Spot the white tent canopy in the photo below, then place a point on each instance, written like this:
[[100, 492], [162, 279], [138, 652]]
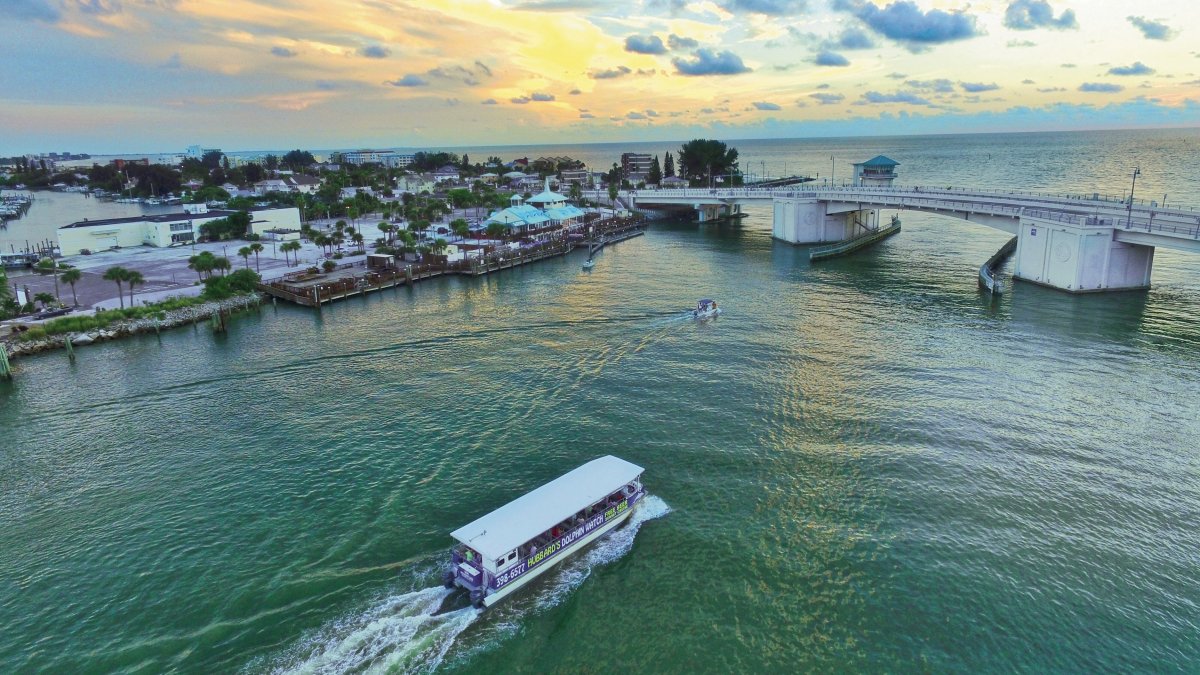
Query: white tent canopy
[[524, 518]]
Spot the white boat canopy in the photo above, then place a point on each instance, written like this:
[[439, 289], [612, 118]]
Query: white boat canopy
[[525, 517]]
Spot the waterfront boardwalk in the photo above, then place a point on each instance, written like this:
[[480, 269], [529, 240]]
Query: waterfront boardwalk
[[313, 289]]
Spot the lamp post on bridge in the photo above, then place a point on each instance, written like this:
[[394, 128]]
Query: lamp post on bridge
[[1137, 171]]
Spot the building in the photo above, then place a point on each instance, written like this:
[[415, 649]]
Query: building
[[197, 152], [635, 166], [388, 158], [878, 172], [446, 174], [293, 183], [163, 230], [540, 223], [579, 176]]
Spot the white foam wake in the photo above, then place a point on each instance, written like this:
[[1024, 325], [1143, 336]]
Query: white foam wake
[[400, 634]]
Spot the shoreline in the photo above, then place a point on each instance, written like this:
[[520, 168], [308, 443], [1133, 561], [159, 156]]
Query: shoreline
[[17, 347]]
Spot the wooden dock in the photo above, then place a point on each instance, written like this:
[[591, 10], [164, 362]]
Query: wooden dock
[[313, 289]]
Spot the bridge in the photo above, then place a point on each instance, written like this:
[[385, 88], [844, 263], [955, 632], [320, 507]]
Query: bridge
[[1076, 243]]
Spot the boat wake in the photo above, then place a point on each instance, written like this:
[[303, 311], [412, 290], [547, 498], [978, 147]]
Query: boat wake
[[404, 633]]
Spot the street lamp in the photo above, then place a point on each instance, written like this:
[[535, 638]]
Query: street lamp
[[1137, 171]]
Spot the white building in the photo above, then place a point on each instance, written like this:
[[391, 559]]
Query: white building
[[388, 158], [168, 229]]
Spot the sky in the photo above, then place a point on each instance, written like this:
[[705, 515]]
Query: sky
[[118, 76]]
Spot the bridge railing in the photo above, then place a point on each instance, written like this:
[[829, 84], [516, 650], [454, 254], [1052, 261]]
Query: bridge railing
[[1080, 201]]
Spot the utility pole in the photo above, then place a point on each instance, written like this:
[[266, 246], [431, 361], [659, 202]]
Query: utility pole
[[833, 173], [1137, 171]]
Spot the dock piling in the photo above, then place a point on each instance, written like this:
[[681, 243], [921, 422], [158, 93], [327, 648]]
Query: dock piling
[[5, 368]]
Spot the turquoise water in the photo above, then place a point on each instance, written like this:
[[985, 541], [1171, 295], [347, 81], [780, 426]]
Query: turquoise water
[[865, 465]]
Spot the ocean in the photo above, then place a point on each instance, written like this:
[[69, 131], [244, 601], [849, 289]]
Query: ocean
[[862, 465]]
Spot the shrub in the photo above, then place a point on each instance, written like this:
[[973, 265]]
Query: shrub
[[35, 333]]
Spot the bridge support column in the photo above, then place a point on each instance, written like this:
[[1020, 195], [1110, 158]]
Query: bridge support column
[[808, 221], [1078, 259], [709, 212]]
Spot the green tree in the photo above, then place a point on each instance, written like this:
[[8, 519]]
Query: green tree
[[212, 160], [328, 266], [576, 192], [245, 253], [71, 277], [287, 247], [439, 246], [669, 165], [44, 298], [654, 176], [460, 227], [701, 159], [212, 193], [134, 278], [203, 263], [256, 248], [613, 190], [117, 275], [496, 230], [222, 263]]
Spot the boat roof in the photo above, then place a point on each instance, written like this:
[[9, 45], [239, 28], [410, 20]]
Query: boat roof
[[706, 301], [533, 513]]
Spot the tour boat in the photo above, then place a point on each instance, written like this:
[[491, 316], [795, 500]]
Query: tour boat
[[511, 546], [705, 309], [589, 264]]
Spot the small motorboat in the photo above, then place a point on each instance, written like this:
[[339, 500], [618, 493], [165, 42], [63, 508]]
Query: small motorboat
[[589, 264], [706, 309]]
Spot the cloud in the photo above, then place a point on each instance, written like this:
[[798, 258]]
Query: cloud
[[828, 58], [905, 22], [768, 7], [707, 111], [468, 76], [374, 52], [1100, 87], [539, 96], [586, 116], [489, 101], [325, 85], [1021, 43], [1047, 90], [634, 115], [610, 73], [32, 10], [651, 113], [575, 92], [1138, 68], [897, 76], [707, 62], [409, 80], [283, 52], [940, 85], [520, 100], [645, 44], [853, 38], [828, 99], [1027, 81], [823, 85], [896, 97], [1152, 30], [174, 61], [676, 42], [1030, 14], [766, 105], [99, 7], [977, 87], [559, 5]]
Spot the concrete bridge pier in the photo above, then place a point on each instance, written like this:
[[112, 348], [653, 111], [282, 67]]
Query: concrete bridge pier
[[710, 212], [810, 221], [1079, 259]]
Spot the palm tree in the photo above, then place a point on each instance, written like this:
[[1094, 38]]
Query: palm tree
[[438, 247], [257, 248], [496, 230], [222, 263], [460, 228], [50, 265], [201, 262], [358, 239], [290, 246], [118, 275], [44, 298], [133, 277], [245, 253], [70, 277]]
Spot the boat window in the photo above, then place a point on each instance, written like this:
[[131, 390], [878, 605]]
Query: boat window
[[512, 555]]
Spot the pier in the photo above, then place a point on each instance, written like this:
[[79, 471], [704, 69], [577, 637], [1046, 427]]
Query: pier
[[869, 238], [310, 288]]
